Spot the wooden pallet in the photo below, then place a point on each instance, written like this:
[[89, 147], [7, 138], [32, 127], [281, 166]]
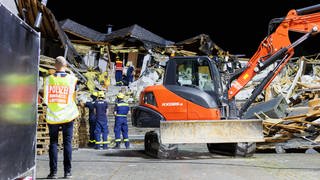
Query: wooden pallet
[[41, 151]]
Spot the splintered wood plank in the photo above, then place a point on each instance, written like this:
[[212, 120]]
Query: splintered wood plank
[[47, 15], [37, 8], [28, 11], [291, 127], [32, 13]]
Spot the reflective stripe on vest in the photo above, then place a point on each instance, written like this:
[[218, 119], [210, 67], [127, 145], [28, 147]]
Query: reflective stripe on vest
[[121, 115], [119, 65], [58, 95], [122, 104], [98, 142]]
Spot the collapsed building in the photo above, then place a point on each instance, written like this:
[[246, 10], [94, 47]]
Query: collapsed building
[[86, 49]]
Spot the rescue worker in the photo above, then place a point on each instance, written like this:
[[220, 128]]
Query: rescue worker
[[101, 111], [59, 91], [130, 72], [121, 110], [92, 119], [119, 71]]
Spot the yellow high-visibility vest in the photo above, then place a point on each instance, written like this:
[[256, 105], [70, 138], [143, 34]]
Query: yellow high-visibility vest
[[58, 95]]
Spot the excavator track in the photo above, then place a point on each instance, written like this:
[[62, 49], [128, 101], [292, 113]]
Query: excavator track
[[241, 149], [154, 148]]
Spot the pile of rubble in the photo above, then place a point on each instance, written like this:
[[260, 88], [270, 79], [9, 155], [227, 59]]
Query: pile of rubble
[[293, 122]]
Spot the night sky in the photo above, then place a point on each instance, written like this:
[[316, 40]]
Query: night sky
[[236, 26]]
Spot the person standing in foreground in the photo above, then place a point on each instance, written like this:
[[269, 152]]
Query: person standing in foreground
[[121, 110], [59, 89]]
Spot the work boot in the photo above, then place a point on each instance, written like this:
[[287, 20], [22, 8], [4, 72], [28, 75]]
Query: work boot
[[67, 175], [105, 146], [90, 144], [117, 146], [97, 146], [52, 175], [127, 144]]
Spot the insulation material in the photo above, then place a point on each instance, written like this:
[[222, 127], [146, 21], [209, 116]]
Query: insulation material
[[150, 77]]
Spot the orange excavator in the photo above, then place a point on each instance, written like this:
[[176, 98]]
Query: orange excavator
[[194, 106]]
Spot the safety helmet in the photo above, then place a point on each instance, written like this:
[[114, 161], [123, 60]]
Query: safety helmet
[[95, 94], [101, 94], [120, 96]]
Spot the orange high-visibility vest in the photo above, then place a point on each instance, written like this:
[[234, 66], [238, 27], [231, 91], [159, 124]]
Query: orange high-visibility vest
[[119, 66]]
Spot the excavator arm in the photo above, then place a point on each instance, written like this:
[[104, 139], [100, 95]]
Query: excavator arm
[[274, 47]]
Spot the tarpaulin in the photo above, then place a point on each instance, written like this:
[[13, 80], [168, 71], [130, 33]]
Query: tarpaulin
[[19, 62]]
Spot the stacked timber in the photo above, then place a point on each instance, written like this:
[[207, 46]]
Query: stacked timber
[[84, 128], [75, 139], [43, 138]]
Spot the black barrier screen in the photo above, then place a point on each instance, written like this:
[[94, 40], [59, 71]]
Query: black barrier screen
[[19, 60]]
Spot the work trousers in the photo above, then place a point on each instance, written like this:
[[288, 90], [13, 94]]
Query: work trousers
[[92, 124], [101, 128], [121, 125], [67, 132], [130, 79], [118, 77]]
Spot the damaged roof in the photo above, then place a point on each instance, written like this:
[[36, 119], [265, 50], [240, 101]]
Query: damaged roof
[[135, 31], [139, 33], [202, 44], [82, 31]]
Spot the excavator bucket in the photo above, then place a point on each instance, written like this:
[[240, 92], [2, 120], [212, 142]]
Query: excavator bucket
[[211, 131]]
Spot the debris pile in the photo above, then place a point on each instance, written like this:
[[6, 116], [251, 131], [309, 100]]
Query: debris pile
[[91, 55], [298, 126]]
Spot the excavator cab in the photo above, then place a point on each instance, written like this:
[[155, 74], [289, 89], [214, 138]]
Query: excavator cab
[[191, 90], [187, 75]]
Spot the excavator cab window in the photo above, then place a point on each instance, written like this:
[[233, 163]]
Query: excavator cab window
[[198, 73]]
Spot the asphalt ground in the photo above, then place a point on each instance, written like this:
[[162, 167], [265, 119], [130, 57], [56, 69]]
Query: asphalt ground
[[192, 162]]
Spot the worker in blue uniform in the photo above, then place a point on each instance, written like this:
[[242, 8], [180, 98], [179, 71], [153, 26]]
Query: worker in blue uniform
[[121, 110], [101, 110], [92, 119], [130, 72]]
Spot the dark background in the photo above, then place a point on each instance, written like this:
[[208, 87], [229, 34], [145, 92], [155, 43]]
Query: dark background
[[235, 26]]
